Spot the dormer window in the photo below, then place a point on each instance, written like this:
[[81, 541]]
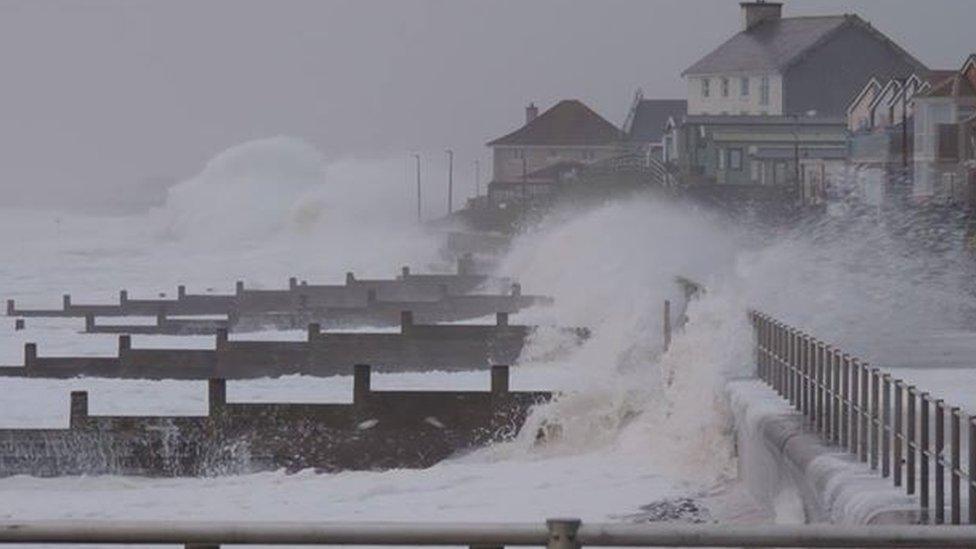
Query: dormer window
[[705, 85], [725, 87]]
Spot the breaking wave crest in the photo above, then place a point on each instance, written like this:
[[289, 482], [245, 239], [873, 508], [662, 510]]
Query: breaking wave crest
[[863, 278]]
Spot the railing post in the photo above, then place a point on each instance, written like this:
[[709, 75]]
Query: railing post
[[911, 446], [845, 400], [767, 348], [855, 404], [784, 356], [865, 435], [775, 334], [898, 430], [971, 477], [778, 364], [797, 373], [762, 350], [873, 420], [781, 363], [956, 466], [828, 405], [562, 533], [807, 377], [818, 386], [835, 390], [923, 455], [937, 457], [757, 341], [791, 367], [886, 425]]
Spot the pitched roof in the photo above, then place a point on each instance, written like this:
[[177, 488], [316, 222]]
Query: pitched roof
[[651, 115], [937, 76], [569, 122], [956, 84], [770, 45]]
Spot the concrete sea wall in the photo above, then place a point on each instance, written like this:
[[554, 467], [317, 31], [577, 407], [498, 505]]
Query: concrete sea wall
[[791, 471]]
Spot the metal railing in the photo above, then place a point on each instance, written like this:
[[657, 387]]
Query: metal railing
[[850, 404], [554, 534]]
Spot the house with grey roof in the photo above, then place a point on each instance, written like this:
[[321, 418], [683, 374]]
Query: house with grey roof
[[648, 122], [550, 147], [569, 131], [784, 65], [768, 106]]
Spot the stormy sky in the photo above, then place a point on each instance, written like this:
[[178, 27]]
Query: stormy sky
[[99, 97]]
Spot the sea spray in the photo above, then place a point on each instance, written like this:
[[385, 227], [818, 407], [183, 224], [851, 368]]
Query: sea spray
[[860, 276], [280, 200]]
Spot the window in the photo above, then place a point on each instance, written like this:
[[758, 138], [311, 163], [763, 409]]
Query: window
[[764, 90], [725, 87], [705, 85], [721, 159], [754, 171], [744, 86], [735, 159], [518, 154]]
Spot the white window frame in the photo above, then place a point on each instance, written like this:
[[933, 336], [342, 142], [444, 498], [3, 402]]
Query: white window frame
[[744, 86], [764, 90], [706, 87]]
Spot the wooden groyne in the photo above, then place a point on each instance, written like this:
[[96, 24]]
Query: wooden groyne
[[416, 347], [379, 430]]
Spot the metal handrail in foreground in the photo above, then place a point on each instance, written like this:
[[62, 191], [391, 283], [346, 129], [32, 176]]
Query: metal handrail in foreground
[[555, 534], [849, 404]]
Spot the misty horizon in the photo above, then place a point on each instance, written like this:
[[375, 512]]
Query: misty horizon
[[106, 97]]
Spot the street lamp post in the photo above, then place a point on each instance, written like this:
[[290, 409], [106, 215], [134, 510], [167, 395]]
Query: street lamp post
[[477, 178], [450, 181], [903, 82], [419, 217], [796, 157]]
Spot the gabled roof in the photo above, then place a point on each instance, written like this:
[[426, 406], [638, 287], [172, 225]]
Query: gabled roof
[[889, 91], [770, 45], [776, 44], [569, 122], [957, 84], [651, 116], [938, 76], [872, 86]]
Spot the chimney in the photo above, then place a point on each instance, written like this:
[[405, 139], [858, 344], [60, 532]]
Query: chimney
[[759, 11], [531, 112]]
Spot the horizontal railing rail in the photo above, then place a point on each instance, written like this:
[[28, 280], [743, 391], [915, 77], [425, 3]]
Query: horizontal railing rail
[[850, 405], [554, 534]]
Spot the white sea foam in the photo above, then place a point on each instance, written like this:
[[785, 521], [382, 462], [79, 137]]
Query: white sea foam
[[634, 424]]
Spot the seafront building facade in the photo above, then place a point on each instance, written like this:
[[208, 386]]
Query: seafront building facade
[[769, 106]]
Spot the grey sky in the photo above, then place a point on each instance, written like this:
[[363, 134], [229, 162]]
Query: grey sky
[[99, 95]]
